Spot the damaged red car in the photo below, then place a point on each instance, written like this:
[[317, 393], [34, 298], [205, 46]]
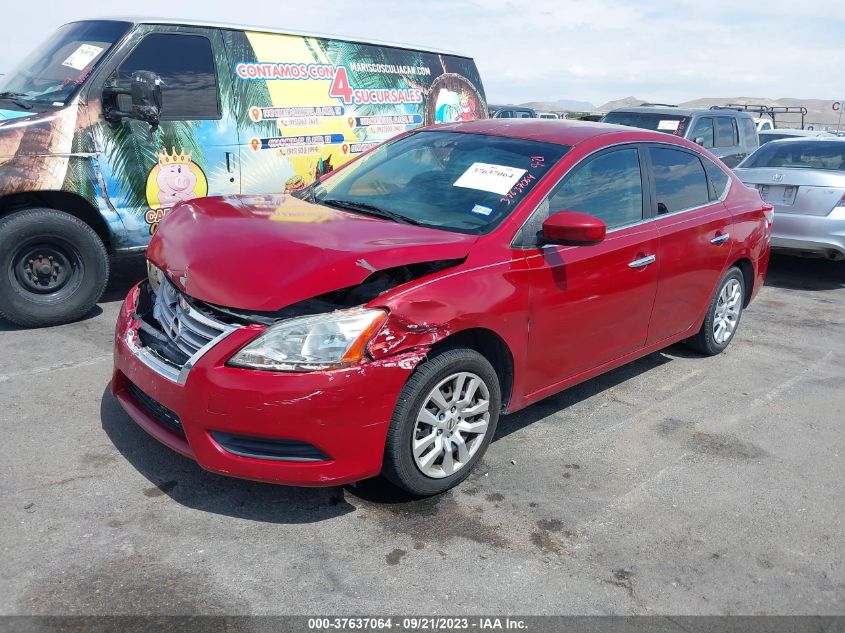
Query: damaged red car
[[383, 319]]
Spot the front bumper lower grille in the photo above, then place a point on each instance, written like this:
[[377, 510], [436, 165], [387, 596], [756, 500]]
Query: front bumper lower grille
[[158, 411], [269, 448]]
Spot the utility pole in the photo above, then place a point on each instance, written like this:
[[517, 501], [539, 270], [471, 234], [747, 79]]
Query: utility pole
[[839, 123]]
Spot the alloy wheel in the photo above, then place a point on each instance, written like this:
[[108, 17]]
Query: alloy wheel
[[727, 311], [451, 425]]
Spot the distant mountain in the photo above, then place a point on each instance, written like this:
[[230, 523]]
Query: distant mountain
[[561, 105], [627, 102]]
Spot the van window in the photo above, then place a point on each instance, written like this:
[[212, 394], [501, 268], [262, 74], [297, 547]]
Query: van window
[[608, 187], [679, 180], [703, 129], [748, 131], [186, 67], [54, 71], [726, 133]]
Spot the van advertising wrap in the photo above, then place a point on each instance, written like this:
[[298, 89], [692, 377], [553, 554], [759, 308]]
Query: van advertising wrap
[[312, 103], [288, 109]]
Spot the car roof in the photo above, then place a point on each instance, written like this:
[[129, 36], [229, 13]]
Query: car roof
[[672, 111], [808, 139], [559, 131], [264, 29], [796, 132], [508, 107]]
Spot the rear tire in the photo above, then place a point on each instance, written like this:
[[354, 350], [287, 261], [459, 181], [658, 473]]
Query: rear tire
[[53, 268], [723, 315], [454, 436]]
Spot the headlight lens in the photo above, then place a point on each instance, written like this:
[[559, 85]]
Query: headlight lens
[[311, 343], [155, 276]]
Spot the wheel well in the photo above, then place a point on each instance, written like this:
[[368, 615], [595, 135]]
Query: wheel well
[[492, 347], [70, 203], [747, 268]]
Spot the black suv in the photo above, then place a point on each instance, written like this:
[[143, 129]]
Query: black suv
[[729, 134]]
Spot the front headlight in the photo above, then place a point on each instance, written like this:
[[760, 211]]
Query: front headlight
[[311, 343], [155, 276]]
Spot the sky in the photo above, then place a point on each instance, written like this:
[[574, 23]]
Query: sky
[[589, 50]]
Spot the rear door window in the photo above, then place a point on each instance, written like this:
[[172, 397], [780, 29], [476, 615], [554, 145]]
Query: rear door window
[[726, 133], [608, 187], [679, 179], [703, 130], [748, 131]]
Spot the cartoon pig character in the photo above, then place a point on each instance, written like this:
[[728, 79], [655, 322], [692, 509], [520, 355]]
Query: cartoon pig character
[[176, 183], [467, 109]]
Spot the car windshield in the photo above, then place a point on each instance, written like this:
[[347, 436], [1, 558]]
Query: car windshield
[[446, 180], [669, 123], [53, 72], [809, 154]]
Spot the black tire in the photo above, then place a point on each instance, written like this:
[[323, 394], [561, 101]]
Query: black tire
[[705, 341], [53, 268], [399, 465]]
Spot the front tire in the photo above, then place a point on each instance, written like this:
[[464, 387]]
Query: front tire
[[723, 315], [443, 422], [53, 268]]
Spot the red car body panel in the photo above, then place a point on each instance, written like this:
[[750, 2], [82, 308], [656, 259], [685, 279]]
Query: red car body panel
[[344, 413], [564, 313], [291, 249]]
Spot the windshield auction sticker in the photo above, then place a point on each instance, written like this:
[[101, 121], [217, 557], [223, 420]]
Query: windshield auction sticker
[[668, 125], [82, 56], [486, 177]]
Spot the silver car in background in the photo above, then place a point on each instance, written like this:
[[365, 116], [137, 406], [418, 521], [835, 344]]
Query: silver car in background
[[804, 179]]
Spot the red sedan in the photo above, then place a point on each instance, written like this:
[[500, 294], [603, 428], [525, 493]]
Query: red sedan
[[383, 319]]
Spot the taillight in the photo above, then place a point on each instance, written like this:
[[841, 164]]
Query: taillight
[[841, 202], [769, 212]]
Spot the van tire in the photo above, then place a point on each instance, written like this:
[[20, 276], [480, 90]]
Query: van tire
[[400, 466], [53, 268]]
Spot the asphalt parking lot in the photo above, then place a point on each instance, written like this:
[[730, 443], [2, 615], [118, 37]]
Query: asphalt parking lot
[[675, 485]]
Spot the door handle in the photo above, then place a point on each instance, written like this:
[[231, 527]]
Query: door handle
[[720, 239], [229, 162], [642, 261]]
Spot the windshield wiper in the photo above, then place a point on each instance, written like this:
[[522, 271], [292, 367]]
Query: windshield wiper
[[307, 194], [15, 97], [369, 209]]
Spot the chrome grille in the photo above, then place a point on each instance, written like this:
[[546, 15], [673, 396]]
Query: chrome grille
[[187, 328]]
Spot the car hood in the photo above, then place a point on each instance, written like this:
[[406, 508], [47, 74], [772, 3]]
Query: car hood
[[263, 253]]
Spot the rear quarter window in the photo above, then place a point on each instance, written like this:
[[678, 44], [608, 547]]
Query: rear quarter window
[[717, 179]]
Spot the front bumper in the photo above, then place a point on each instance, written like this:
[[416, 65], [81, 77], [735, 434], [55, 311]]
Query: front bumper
[[344, 414], [822, 235]]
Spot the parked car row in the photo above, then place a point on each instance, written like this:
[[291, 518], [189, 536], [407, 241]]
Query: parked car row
[[804, 181]]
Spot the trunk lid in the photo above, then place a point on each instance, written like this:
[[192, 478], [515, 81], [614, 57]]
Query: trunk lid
[[797, 191]]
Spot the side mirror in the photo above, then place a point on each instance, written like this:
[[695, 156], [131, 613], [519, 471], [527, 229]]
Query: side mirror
[[699, 140], [144, 94], [573, 227], [145, 91]]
